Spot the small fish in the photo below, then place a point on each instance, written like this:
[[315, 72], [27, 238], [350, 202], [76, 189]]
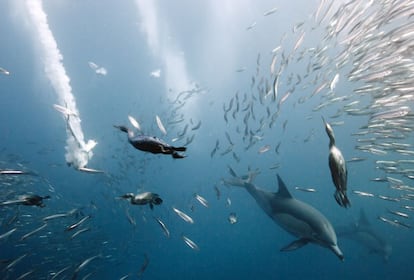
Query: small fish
[[356, 159], [90, 170], [12, 172], [363, 193], [269, 12], [190, 243], [305, 189], [253, 24], [75, 225], [391, 114], [143, 266], [400, 214], [55, 216], [163, 226], [197, 126], [79, 232], [24, 275], [202, 200], [383, 197], [183, 216], [335, 80], [57, 274], [131, 219], [134, 122], [4, 71], [232, 218], [218, 193], [13, 263], [393, 222], [33, 232], [83, 264], [160, 125], [264, 149], [6, 234]]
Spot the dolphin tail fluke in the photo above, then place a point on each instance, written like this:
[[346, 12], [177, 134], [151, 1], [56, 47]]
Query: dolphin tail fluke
[[295, 245]]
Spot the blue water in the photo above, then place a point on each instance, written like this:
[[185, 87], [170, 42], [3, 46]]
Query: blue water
[[213, 41]]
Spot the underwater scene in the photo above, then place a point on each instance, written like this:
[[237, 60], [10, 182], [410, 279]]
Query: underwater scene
[[234, 139]]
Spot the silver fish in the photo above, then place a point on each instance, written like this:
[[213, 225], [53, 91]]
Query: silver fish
[[190, 243], [164, 227], [202, 200], [160, 125], [33, 232], [183, 216]]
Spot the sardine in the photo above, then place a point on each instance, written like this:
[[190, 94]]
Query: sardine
[[160, 125], [75, 225], [33, 232], [164, 227], [134, 122], [202, 200], [190, 243], [183, 216]]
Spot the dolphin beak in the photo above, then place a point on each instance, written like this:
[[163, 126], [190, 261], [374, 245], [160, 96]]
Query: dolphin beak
[[337, 252]]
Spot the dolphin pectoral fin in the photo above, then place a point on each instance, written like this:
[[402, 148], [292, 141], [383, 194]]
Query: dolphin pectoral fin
[[295, 245]]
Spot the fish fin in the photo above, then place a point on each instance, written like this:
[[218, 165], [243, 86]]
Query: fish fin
[[363, 221], [283, 191], [151, 206], [296, 244]]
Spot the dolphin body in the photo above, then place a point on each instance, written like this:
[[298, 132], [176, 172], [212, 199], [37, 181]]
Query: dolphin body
[[362, 233], [294, 216]]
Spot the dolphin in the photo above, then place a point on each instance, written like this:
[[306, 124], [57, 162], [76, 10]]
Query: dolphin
[[294, 216], [362, 233]]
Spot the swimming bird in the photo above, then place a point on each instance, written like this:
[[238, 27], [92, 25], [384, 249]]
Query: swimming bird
[[338, 169], [296, 217], [143, 198], [27, 199], [151, 144]]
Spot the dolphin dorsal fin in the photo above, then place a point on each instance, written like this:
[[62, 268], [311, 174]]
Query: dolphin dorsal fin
[[363, 221], [283, 191]]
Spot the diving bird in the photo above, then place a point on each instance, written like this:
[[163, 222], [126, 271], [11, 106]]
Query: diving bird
[[27, 199], [294, 216], [362, 233], [151, 144], [337, 165], [143, 198]]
